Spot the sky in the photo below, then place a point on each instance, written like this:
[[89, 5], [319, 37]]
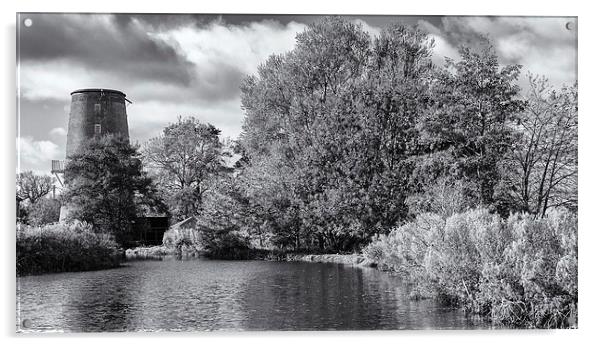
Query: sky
[[172, 65]]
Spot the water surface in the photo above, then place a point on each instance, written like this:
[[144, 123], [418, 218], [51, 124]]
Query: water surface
[[197, 295]]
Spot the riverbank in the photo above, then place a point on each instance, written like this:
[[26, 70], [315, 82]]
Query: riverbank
[[349, 259], [148, 253], [161, 251]]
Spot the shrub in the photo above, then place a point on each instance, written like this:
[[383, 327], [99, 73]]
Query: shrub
[[64, 247], [469, 240], [409, 249], [223, 243], [536, 283], [44, 211], [521, 271]]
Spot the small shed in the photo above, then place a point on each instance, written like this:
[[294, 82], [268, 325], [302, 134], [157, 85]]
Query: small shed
[[185, 229], [148, 230]]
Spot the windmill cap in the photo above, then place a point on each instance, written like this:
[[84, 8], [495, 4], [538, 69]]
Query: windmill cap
[[78, 91]]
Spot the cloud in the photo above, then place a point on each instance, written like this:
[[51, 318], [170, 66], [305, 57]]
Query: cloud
[[192, 65], [58, 135], [243, 47], [188, 66], [542, 45], [188, 62], [147, 119], [443, 50], [103, 43], [37, 155], [374, 32], [58, 132]]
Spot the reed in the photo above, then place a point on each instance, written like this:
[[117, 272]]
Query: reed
[[63, 247]]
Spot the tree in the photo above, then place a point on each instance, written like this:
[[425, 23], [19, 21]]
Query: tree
[[469, 127], [331, 125], [541, 169], [223, 225], [106, 186], [183, 160], [32, 187], [443, 197], [271, 207]]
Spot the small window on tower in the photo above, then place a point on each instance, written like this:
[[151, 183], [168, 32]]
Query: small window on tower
[[97, 108], [97, 129]]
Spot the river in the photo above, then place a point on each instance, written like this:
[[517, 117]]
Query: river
[[198, 295]]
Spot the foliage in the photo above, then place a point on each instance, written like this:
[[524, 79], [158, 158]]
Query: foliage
[[469, 125], [43, 211], [540, 171], [106, 186], [183, 160], [535, 285], [347, 136], [352, 135], [33, 208], [267, 206], [222, 226], [521, 271], [31, 187], [444, 197], [64, 247], [224, 244], [330, 129]]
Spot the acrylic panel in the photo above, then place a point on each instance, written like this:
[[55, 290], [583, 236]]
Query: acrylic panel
[[246, 172]]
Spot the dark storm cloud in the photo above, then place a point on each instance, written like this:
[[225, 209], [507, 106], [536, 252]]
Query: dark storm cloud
[[169, 21], [159, 21], [383, 21], [539, 32], [114, 43], [283, 19], [542, 45], [222, 83], [458, 33], [379, 21], [218, 83], [192, 64]]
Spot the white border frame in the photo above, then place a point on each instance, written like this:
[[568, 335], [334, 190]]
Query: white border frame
[[589, 183]]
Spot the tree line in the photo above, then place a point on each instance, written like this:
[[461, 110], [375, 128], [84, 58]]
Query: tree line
[[346, 137]]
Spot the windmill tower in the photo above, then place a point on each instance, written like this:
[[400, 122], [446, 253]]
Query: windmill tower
[[94, 112]]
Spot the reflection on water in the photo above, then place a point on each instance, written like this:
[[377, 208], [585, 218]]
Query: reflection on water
[[227, 295]]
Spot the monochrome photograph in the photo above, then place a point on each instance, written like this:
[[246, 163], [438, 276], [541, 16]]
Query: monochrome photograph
[[295, 172]]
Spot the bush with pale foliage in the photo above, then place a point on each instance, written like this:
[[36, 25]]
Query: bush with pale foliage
[[521, 271]]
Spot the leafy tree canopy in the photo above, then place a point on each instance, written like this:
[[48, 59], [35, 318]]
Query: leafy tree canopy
[[106, 186], [183, 160]]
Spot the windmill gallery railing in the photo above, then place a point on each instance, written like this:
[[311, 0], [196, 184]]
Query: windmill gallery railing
[[58, 166], [58, 169]]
